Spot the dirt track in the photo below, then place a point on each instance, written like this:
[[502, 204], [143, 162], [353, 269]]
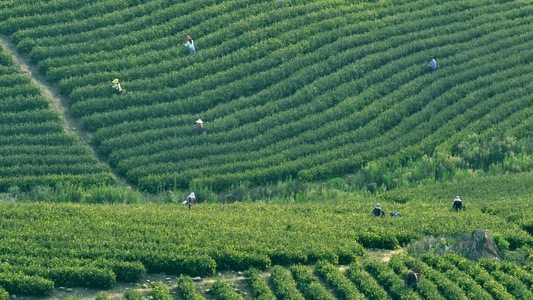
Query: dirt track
[[58, 102]]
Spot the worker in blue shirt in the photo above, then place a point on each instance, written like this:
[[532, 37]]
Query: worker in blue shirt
[[433, 63], [190, 45]]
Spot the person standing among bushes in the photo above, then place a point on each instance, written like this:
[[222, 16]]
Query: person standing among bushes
[[411, 279], [433, 63], [378, 212], [116, 85], [457, 203], [190, 45], [199, 128], [191, 199]]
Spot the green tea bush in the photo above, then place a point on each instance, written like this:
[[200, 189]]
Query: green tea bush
[[308, 284], [20, 284], [365, 282], [389, 280], [342, 286], [133, 295], [127, 271], [284, 284], [223, 291], [4, 295], [160, 291], [187, 288], [102, 296], [260, 287], [82, 276]]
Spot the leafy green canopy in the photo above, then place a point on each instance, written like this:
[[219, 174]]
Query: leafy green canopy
[[294, 89]]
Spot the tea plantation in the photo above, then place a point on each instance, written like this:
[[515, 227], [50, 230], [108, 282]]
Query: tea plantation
[[306, 91], [301, 89]]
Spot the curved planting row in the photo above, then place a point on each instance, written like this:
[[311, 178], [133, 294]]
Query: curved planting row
[[475, 277], [280, 42], [234, 146], [144, 64], [248, 112], [312, 90], [35, 149], [354, 164], [322, 61]]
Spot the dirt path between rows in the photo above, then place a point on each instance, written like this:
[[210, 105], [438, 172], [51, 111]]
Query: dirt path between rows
[[59, 103]]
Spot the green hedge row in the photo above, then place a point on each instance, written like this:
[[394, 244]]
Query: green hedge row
[[394, 285], [259, 286], [343, 287], [27, 182], [364, 282], [187, 288], [20, 284], [308, 284], [223, 291], [283, 284], [75, 272]]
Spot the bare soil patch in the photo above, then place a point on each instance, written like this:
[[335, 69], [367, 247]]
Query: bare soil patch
[[382, 254], [116, 293]]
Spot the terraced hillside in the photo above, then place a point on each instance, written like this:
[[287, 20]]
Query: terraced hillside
[[35, 149], [301, 89]]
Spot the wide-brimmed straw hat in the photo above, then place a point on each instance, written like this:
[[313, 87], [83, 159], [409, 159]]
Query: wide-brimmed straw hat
[[199, 121]]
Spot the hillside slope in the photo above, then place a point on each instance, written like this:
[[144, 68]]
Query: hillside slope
[[301, 89], [35, 148]]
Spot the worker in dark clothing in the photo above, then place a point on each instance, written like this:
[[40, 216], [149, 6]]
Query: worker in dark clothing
[[199, 128], [411, 279], [378, 212], [457, 204]]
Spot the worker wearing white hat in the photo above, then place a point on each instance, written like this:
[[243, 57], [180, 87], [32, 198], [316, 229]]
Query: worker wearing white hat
[[457, 203], [199, 126], [378, 212]]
